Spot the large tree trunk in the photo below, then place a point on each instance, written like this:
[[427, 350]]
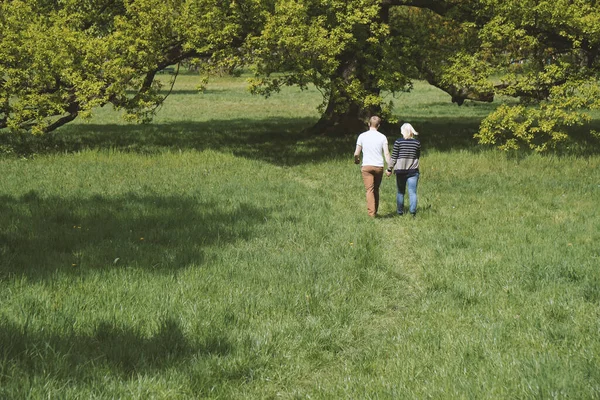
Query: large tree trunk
[[353, 119], [345, 114]]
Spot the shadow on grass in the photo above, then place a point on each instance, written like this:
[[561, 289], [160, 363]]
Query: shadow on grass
[[110, 351], [443, 134], [41, 236], [279, 141]]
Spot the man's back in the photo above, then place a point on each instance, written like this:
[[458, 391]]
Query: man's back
[[373, 143]]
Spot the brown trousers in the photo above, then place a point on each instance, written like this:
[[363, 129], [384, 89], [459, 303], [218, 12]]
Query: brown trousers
[[372, 177]]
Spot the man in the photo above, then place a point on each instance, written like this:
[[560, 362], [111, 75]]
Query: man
[[374, 147]]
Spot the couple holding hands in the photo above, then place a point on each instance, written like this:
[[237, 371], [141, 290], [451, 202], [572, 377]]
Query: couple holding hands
[[404, 162]]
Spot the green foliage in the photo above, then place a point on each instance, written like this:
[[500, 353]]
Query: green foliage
[[61, 60], [441, 50], [538, 128], [546, 54], [342, 47], [545, 125]]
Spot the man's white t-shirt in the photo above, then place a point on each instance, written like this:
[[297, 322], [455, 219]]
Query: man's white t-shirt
[[372, 142]]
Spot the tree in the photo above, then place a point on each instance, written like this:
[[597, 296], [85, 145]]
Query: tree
[[59, 60], [354, 51], [341, 47], [544, 53]]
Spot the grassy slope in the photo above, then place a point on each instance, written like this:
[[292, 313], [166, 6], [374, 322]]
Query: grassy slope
[[220, 252]]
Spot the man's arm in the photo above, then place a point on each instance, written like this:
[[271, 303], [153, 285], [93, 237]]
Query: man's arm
[[386, 153], [357, 154]]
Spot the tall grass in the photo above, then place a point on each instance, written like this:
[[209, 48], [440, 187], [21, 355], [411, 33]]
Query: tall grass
[[221, 252]]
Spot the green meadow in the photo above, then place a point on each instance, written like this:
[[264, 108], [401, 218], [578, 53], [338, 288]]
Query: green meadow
[[223, 252]]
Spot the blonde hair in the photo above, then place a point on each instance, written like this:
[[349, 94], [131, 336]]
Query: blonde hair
[[374, 121], [408, 131]]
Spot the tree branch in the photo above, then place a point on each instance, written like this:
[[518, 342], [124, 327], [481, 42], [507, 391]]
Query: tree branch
[[4, 110], [443, 8], [61, 121], [440, 7], [458, 94]]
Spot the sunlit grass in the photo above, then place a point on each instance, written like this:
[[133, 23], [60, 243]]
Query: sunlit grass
[[221, 252]]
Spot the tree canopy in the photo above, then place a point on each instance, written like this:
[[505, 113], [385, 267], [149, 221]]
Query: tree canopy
[[61, 59]]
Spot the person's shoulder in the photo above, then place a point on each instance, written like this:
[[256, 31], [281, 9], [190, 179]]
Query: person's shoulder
[[377, 134]]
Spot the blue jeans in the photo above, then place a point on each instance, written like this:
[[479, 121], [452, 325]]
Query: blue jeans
[[403, 181]]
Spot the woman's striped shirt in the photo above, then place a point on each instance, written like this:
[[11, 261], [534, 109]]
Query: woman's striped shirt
[[405, 156]]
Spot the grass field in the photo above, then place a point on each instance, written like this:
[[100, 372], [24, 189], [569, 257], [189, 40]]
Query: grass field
[[221, 252]]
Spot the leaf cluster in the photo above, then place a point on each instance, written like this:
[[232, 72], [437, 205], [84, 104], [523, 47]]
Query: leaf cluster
[[544, 53]]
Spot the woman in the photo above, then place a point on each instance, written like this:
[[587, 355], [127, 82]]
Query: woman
[[405, 164]]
